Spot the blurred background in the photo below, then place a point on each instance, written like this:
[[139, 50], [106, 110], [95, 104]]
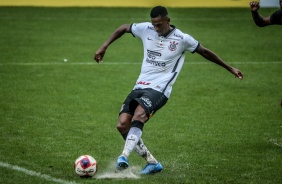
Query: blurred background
[[143, 3]]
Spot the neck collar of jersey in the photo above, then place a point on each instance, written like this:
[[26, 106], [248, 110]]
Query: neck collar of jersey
[[168, 33]]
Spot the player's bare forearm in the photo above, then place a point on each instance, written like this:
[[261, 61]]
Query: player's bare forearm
[[211, 56], [115, 35], [258, 19], [214, 58]]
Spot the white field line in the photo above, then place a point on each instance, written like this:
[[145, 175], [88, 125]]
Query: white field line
[[33, 173], [131, 63]]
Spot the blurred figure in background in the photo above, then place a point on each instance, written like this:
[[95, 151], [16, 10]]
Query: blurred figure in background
[[273, 19]]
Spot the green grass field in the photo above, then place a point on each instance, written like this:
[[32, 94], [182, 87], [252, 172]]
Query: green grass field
[[214, 128]]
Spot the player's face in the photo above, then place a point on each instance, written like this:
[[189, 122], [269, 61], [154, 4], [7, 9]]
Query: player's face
[[161, 25]]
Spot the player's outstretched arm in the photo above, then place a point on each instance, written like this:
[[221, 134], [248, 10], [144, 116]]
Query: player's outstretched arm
[[258, 19], [99, 54], [211, 56]]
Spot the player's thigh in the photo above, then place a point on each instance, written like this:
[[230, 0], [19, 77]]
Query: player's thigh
[[128, 106], [140, 114]]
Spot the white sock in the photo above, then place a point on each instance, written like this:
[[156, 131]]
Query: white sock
[[143, 151], [132, 139]]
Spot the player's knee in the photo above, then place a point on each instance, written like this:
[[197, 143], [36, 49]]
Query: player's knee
[[124, 123], [123, 126]]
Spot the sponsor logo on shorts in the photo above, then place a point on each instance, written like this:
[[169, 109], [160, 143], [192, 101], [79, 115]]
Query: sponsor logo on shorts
[[147, 101]]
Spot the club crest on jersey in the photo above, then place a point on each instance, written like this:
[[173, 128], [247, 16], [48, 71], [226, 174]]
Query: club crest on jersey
[[172, 46]]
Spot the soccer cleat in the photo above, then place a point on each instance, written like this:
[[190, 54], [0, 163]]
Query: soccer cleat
[[122, 163], [152, 168]]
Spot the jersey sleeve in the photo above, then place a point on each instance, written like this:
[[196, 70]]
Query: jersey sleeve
[[276, 17], [138, 29], [190, 43]]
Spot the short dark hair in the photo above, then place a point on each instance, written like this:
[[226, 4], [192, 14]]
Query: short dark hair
[[158, 11]]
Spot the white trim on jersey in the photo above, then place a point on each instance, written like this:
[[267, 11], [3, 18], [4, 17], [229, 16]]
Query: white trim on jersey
[[163, 56]]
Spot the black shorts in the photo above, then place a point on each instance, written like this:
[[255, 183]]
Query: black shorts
[[151, 100]]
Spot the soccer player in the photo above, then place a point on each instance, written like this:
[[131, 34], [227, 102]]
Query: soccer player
[[164, 53], [273, 19]]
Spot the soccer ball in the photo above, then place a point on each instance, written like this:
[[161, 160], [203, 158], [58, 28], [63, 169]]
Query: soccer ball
[[85, 166]]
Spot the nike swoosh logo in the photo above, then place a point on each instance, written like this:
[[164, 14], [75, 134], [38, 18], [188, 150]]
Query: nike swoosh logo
[[149, 38]]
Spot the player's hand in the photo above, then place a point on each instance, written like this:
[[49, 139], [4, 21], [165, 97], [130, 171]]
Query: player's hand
[[99, 54], [254, 6], [238, 74]]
